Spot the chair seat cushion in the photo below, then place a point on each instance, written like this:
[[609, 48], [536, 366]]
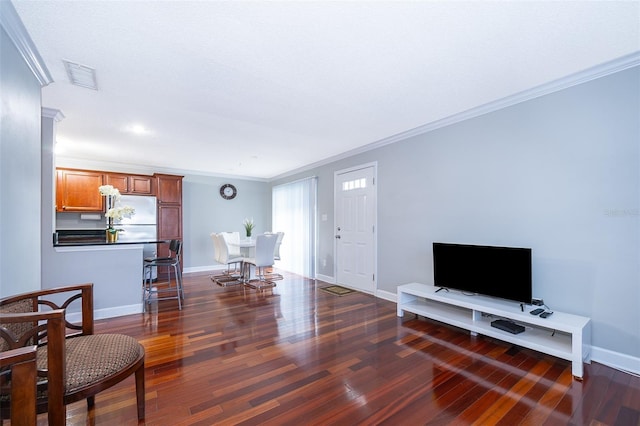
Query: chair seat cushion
[[92, 358]]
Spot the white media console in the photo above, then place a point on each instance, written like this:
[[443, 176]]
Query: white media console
[[562, 335]]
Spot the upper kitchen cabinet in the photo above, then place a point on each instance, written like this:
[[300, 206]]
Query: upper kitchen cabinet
[[77, 191], [140, 185], [168, 189], [130, 184]]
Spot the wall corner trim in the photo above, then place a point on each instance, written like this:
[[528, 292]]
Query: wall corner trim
[[56, 114], [15, 29]]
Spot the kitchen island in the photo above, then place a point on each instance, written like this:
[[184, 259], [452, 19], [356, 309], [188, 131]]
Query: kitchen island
[[115, 269]]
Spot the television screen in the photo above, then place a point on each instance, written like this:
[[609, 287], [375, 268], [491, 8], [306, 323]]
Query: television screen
[[503, 272]]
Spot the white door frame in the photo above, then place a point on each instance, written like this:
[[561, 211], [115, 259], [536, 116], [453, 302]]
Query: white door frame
[[374, 261]]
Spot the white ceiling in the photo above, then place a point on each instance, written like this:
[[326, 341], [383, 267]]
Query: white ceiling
[[257, 89]]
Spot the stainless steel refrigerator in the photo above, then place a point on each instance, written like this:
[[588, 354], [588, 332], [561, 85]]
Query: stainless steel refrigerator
[[142, 226]]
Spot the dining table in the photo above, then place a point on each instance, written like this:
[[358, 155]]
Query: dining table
[[247, 248]]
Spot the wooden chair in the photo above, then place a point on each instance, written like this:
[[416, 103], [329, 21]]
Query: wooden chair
[[94, 362], [21, 364]]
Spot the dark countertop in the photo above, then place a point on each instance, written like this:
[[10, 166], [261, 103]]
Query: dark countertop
[[91, 237], [104, 243]]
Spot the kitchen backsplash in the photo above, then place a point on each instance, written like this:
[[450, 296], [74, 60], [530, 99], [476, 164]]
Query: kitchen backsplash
[[80, 221]]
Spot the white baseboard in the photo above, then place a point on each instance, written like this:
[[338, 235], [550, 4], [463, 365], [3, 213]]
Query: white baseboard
[[386, 295], [326, 278], [117, 311], [616, 360], [204, 268]]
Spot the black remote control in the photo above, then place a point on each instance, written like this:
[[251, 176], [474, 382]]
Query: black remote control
[[537, 311], [545, 314]]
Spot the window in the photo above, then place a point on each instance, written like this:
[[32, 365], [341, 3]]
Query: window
[[354, 184], [294, 213]]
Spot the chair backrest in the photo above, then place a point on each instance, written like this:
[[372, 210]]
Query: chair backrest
[[19, 328], [174, 247], [216, 247], [265, 246], [232, 240], [276, 250], [223, 252]]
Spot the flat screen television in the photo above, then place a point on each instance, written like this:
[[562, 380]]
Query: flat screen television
[[503, 272]]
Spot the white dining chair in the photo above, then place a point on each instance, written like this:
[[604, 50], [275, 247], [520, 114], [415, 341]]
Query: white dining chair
[[231, 243], [276, 251], [271, 275], [222, 256], [265, 246], [232, 240], [216, 247]]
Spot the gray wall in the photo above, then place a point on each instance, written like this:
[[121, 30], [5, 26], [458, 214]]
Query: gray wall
[[19, 173], [205, 211], [559, 174]]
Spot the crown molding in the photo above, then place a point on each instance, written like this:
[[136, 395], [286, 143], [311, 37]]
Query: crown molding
[[15, 29], [593, 73], [56, 114], [116, 167]]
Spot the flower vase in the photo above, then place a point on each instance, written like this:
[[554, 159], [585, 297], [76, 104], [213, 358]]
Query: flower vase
[[112, 235], [248, 234]]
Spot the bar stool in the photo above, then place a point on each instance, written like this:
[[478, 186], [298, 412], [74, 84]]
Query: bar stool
[[173, 261]]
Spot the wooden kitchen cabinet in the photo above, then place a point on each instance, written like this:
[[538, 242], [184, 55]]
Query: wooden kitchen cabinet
[[77, 191], [140, 185], [169, 196], [169, 189], [169, 222], [130, 184]]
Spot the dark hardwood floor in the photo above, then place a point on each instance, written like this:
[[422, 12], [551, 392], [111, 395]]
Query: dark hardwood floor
[[296, 355]]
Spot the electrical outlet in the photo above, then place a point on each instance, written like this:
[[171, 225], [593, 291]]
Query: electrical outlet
[[537, 302]]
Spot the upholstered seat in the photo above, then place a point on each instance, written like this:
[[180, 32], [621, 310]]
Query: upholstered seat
[[91, 359], [72, 362]]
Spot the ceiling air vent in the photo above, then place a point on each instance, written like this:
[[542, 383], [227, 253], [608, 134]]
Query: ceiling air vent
[[81, 75]]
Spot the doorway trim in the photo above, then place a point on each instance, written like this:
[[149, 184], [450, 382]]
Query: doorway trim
[[374, 165]]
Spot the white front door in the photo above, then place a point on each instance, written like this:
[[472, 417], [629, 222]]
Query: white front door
[[355, 204]]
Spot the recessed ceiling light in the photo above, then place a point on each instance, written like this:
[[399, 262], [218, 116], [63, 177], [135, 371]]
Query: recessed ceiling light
[[81, 75], [137, 129]]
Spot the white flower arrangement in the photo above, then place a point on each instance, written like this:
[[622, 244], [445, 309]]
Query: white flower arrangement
[[110, 191], [118, 213], [113, 212]]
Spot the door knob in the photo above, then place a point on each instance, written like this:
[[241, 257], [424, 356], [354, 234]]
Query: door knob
[[338, 236]]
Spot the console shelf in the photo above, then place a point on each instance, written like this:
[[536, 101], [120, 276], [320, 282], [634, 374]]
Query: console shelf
[[562, 335]]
